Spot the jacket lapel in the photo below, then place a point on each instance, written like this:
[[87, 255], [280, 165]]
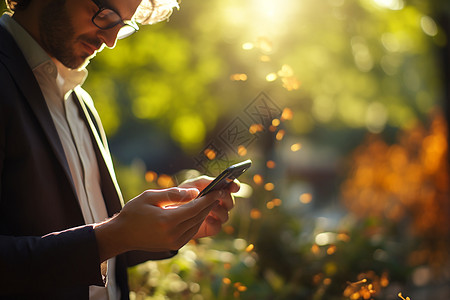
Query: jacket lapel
[[11, 56], [14, 61], [110, 187]]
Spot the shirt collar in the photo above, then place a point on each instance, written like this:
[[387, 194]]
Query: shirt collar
[[66, 79]]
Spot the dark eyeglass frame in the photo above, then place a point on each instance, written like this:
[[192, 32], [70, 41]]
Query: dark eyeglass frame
[[128, 27]]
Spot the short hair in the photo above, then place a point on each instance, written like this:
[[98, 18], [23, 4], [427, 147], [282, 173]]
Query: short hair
[[153, 11], [148, 12]]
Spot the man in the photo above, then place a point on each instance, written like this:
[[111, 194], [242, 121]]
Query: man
[[63, 231]]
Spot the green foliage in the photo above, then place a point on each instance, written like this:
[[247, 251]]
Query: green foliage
[[285, 262], [161, 79], [345, 68], [358, 64]]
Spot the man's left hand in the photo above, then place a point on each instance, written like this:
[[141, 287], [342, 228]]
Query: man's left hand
[[219, 214]]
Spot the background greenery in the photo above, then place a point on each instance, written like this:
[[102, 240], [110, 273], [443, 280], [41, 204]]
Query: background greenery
[[348, 195]]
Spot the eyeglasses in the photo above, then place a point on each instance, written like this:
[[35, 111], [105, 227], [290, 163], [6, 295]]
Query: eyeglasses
[[107, 18]]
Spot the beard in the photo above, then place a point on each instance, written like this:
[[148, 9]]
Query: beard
[[58, 36]]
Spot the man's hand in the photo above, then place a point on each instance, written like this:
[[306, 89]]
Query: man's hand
[[219, 214], [145, 223]]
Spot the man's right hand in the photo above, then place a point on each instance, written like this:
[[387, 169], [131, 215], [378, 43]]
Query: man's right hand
[[146, 224]]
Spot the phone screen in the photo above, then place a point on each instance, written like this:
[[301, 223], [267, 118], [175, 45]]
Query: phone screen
[[226, 177]]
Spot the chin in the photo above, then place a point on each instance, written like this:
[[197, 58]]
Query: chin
[[86, 62], [80, 63]]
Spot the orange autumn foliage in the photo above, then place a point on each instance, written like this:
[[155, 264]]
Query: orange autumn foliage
[[407, 180]]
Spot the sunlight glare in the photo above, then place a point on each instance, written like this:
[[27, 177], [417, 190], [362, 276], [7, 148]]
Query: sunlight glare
[[271, 17], [390, 4], [271, 77], [271, 10], [248, 46]]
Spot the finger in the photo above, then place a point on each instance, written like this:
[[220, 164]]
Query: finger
[[171, 196], [226, 199], [193, 224], [192, 208], [199, 182], [213, 228], [193, 212], [203, 181], [234, 186], [188, 235], [210, 226], [220, 213]]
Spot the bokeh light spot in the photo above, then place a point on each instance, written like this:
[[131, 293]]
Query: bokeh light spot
[[305, 198], [210, 154], [270, 164], [255, 214], [280, 135], [271, 77], [258, 179], [254, 128], [296, 147], [242, 151], [150, 176], [165, 181], [269, 186]]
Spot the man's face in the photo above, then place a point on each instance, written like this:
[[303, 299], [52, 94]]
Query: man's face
[[68, 34]]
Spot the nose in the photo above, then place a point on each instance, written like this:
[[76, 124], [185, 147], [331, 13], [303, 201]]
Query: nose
[[108, 36]]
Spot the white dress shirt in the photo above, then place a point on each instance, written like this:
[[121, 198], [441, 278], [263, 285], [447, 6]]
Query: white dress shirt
[[57, 83]]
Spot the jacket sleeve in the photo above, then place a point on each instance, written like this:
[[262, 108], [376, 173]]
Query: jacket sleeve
[[58, 260], [137, 257]]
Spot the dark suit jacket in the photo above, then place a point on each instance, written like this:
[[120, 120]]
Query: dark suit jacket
[[46, 250]]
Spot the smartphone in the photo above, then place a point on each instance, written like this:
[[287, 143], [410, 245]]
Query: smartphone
[[226, 177]]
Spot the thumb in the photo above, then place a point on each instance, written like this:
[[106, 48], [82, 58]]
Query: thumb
[[171, 196]]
